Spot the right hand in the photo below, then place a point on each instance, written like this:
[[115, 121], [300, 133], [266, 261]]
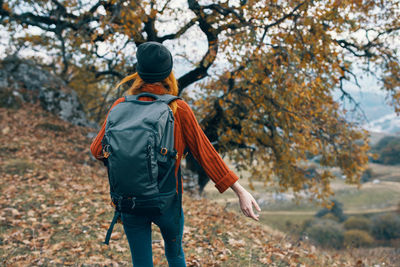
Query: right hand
[[246, 201]]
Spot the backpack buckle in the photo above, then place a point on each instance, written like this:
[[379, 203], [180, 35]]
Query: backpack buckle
[[164, 151], [106, 152]]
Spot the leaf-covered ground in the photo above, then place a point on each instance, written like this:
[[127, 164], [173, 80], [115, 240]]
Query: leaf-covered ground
[[55, 210]]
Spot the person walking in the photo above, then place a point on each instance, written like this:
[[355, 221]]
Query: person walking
[[155, 76]]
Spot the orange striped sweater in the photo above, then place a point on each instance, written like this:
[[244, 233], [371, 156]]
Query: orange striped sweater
[[187, 133]]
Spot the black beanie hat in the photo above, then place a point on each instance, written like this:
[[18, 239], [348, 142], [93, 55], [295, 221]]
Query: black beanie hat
[[154, 62]]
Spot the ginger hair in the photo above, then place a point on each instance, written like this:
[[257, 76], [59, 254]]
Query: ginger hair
[[170, 84]]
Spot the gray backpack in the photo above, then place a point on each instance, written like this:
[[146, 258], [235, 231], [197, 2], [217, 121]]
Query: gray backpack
[[138, 145]]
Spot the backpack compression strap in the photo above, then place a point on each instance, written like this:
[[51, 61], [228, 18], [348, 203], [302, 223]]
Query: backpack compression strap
[[117, 214], [180, 191]]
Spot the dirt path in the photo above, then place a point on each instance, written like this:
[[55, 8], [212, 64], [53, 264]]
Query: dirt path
[[366, 211], [284, 212]]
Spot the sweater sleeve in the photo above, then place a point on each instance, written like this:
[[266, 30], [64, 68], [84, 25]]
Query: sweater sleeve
[[96, 147], [203, 150]]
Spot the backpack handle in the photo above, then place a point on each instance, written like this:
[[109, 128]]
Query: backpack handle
[[146, 94], [166, 98]]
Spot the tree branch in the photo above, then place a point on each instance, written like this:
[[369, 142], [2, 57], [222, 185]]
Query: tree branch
[[208, 59], [109, 72], [179, 33]]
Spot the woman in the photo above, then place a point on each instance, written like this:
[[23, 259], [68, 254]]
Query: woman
[[154, 75]]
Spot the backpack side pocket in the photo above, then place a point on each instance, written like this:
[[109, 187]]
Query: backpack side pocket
[[107, 160], [152, 166]]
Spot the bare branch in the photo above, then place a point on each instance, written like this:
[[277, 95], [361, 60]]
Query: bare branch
[[109, 72], [179, 33], [208, 59]]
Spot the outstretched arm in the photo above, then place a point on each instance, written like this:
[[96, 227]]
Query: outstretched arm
[[212, 163], [246, 201], [203, 151]]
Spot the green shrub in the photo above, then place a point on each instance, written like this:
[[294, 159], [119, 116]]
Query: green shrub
[[336, 210], [326, 233], [306, 223], [357, 238], [357, 223], [388, 149], [386, 226]]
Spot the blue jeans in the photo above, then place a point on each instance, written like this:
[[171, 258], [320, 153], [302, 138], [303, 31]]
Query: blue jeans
[[138, 232]]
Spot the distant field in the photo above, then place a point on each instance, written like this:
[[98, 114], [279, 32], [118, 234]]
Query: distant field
[[371, 197], [385, 172]]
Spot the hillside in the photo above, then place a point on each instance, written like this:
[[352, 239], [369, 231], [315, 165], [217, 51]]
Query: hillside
[[55, 210]]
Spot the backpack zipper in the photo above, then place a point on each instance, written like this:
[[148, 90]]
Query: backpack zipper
[[149, 162]]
